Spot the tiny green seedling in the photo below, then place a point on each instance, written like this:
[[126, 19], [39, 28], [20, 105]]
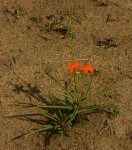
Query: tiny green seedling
[[17, 14], [49, 26], [36, 18], [53, 25]]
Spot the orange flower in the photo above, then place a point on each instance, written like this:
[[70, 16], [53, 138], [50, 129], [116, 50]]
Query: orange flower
[[86, 68], [72, 66]]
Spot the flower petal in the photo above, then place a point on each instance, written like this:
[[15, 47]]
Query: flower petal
[[86, 71], [76, 65], [72, 69], [90, 69], [70, 63]]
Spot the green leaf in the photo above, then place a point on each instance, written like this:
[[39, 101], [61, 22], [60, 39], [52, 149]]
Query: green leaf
[[56, 100], [63, 94], [55, 106], [72, 117], [103, 92], [50, 116], [46, 127], [99, 108], [62, 87]]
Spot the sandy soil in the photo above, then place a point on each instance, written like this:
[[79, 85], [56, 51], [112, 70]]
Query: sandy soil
[[103, 37]]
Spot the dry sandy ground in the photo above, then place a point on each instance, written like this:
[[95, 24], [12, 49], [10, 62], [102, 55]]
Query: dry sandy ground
[[103, 36]]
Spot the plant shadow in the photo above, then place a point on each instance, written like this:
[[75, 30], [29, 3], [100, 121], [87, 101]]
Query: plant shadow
[[32, 92]]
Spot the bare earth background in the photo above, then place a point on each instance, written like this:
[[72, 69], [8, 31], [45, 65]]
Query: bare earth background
[[103, 36]]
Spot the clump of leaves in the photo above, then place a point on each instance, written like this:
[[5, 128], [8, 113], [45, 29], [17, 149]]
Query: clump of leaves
[[68, 112]]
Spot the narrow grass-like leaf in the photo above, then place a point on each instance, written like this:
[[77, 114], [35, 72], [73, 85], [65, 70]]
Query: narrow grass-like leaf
[[55, 106], [56, 100], [50, 116], [62, 87], [26, 115], [38, 121], [46, 127], [20, 136], [72, 117], [103, 92], [67, 96], [98, 108]]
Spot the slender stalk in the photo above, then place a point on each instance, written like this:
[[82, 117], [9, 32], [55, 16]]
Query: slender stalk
[[71, 36], [75, 82], [89, 85]]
